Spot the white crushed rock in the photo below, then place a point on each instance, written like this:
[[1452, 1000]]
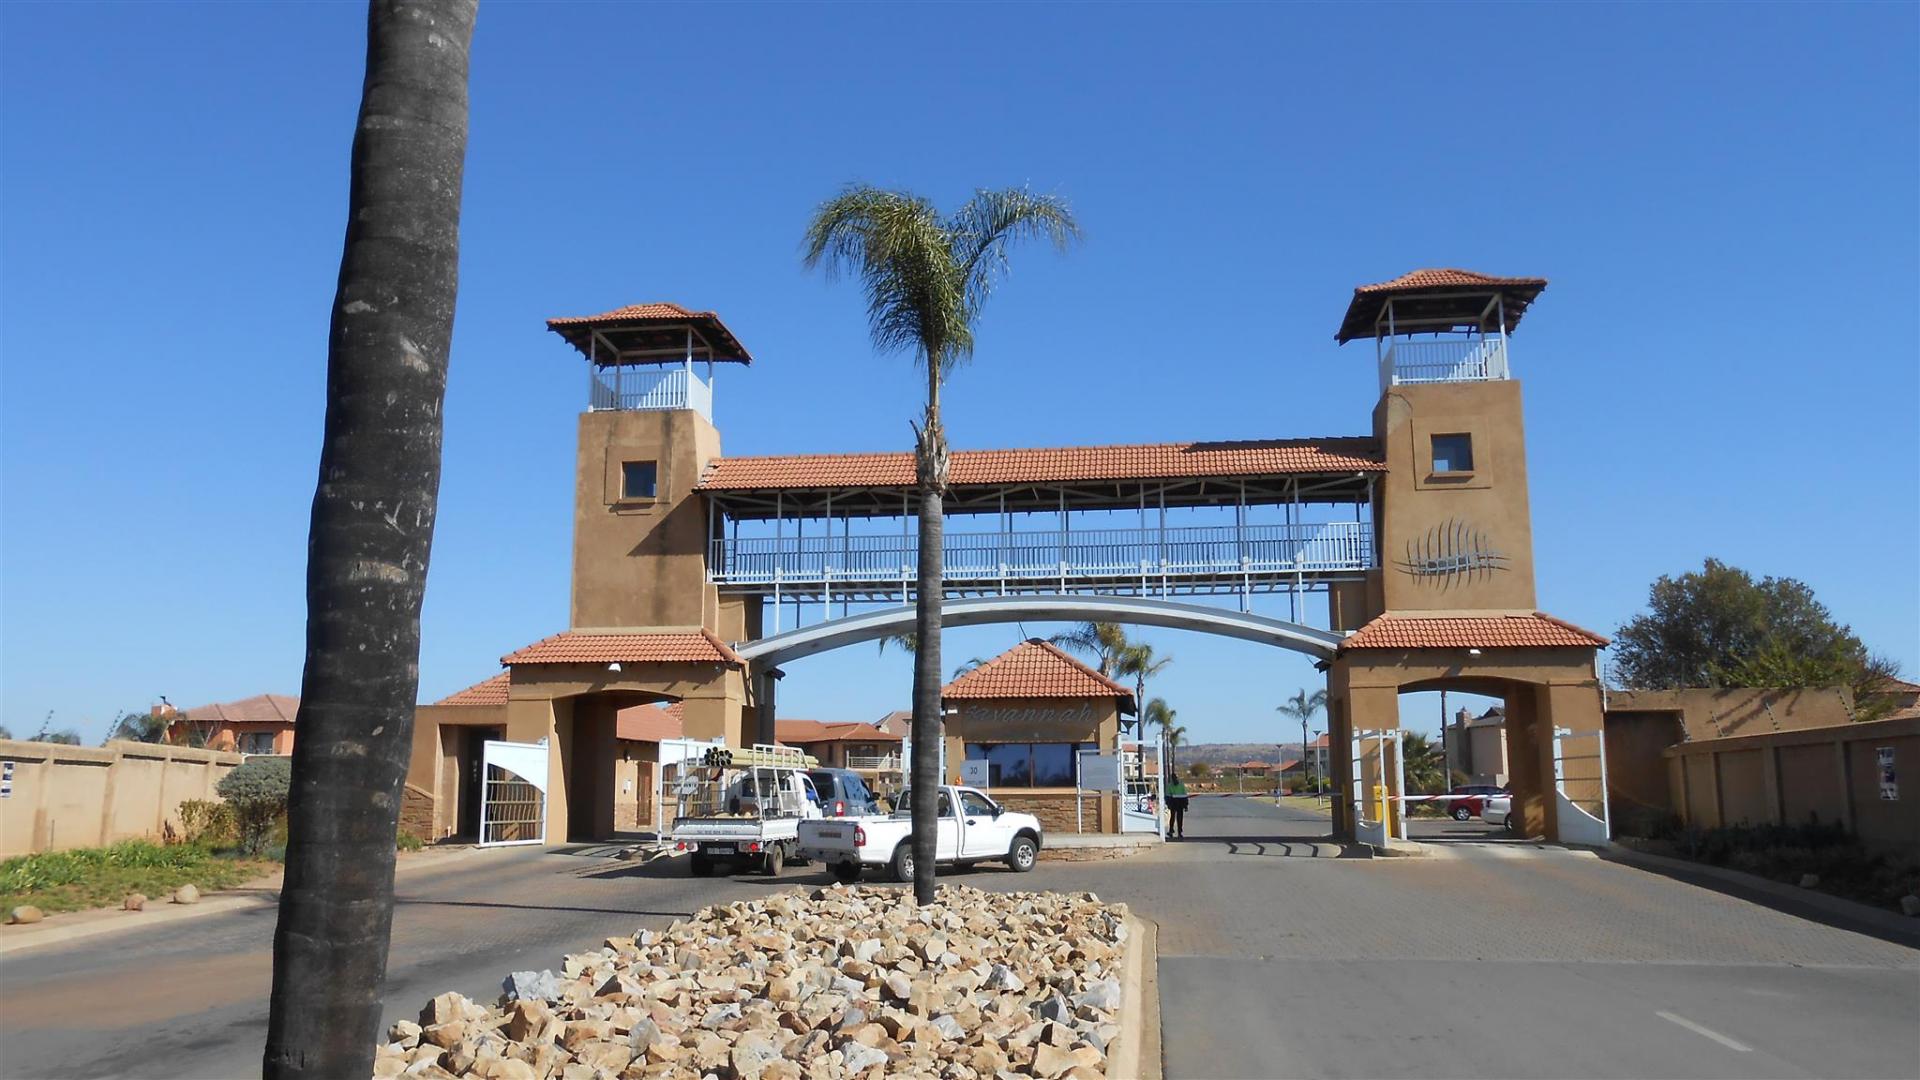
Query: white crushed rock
[[826, 983]]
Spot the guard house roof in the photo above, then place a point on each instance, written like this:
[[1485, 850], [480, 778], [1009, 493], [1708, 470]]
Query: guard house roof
[[651, 334], [1432, 300], [1195, 473], [1510, 630], [1035, 669]]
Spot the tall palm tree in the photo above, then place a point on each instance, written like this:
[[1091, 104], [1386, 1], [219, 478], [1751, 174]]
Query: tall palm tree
[[1137, 660], [1174, 735], [371, 532], [1303, 707], [927, 278]]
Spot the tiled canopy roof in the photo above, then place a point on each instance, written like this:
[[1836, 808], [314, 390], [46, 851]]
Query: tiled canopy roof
[[650, 723], [654, 328], [796, 732], [258, 709], [585, 647], [1035, 669], [1519, 630], [1155, 461], [491, 690], [1438, 300]]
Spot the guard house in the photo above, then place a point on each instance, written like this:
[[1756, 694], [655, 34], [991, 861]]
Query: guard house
[[1404, 555]]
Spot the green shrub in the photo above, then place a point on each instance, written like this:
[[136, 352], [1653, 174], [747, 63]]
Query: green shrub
[[257, 792], [207, 823], [92, 877], [406, 841]]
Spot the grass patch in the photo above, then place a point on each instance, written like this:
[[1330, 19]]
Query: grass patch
[[102, 877]]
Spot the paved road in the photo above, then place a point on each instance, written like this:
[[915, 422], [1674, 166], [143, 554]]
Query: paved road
[[1495, 961]]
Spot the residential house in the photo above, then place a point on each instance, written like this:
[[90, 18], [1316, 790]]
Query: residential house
[[262, 724], [864, 748]]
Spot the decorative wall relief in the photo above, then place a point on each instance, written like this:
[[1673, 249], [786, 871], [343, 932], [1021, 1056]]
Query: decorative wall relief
[[1453, 552]]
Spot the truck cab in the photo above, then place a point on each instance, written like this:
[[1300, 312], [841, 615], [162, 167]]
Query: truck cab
[[971, 828]]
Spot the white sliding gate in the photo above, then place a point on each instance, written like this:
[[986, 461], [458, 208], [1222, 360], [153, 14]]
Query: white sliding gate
[[1371, 807], [513, 799], [1585, 821], [1140, 795]]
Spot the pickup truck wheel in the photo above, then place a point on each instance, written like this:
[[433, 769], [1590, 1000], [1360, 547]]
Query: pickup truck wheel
[[903, 862], [700, 865], [1022, 855], [776, 860], [846, 872]]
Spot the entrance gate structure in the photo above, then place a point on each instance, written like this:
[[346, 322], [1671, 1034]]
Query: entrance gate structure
[[513, 802], [1408, 550]]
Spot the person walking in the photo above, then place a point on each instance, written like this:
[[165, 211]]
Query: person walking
[[1177, 808]]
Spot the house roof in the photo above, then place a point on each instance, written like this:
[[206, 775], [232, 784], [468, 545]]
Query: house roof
[[589, 647], [897, 721], [1510, 630], [1444, 299], [1035, 669], [795, 732], [1320, 742], [491, 690], [651, 333], [1151, 461], [258, 709], [650, 723], [1254, 765]]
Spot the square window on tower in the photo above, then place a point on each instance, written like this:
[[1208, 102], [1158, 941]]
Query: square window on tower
[[639, 479], [1453, 453]]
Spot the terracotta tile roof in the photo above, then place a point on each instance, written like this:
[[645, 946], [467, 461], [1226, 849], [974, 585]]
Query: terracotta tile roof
[[491, 690], [653, 327], [258, 709], [797, 732], [1438, 300], [585, 647], [1035, 669], [1446, 277], [1154, 461], [1518, 630], [650, 723]]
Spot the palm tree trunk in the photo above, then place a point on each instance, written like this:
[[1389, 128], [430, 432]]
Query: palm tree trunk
[[371, 534], [931, 463]]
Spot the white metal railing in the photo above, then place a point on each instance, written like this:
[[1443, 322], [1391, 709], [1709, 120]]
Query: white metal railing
[[1444, 360], [1019, 557], [651, 389], [874, 762]]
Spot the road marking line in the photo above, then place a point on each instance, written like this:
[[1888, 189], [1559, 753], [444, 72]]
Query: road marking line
[[1731, 1044]]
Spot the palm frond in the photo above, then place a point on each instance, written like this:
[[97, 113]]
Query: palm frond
[[899, 248], [991, 221]]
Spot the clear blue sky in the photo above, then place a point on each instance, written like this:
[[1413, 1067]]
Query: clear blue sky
[[1723, 196]]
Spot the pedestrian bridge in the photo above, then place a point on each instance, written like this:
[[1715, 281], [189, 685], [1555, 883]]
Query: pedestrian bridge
[[976, 611]]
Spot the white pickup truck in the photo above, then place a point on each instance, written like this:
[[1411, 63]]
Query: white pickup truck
[[972, 828]]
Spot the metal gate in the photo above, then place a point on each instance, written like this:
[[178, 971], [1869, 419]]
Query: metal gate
[[513, 797], [1583, 819], [1372, 801], [1140, 794]]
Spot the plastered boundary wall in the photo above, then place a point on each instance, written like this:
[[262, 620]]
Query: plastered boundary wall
[[80, 796]]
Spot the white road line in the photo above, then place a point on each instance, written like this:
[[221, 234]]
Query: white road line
[[1731, 1044]]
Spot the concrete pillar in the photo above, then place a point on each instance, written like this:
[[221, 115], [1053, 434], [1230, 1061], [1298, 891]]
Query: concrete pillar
[[1529, 761], [531, 720]]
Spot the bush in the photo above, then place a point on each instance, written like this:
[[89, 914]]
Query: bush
[[406, 841], [206, 823], [1785, 853], [257, 792]]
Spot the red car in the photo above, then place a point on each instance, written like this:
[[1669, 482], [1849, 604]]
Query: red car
[[1469, 800]]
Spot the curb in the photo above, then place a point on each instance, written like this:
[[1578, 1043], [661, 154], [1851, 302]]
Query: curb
[[1137, 1055], [94, 922], [1848, 914]]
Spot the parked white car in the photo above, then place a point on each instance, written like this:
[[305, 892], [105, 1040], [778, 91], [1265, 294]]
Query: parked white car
[[972, 828], [1498, 811]]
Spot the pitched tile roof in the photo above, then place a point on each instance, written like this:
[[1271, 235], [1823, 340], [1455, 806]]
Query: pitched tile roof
[[896, 722], [491, 690], [651, 723], [658, 328], [1516, 630], [1444, 299], [1035, 669], [587, 647], [796, 732], [258, 709], [1153, 461]]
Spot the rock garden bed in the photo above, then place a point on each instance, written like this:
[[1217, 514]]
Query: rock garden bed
[[845, 981]]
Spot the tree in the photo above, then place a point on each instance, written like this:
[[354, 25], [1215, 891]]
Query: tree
[[1199, 770], [1717, 627], [1137, 659], [1303, 707], [139, 727], [5, 732], [1422, 769], [1174, 735], [1104, 641], [370, 537], [927, 279], [256, 789], [61, 737]]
